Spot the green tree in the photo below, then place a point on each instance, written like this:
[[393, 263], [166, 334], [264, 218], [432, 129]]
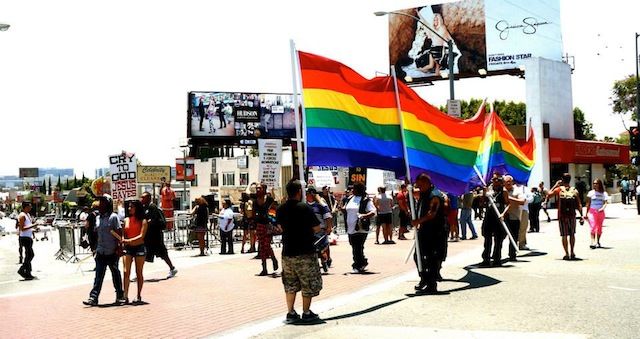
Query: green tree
[[515, 113], [59, 185], [624, 96], [43, 188], [49, 190], [583, 129], [75, 181]]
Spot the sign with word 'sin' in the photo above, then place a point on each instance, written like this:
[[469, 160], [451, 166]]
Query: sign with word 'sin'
[[357, 174], [270, 161], [124, 176]]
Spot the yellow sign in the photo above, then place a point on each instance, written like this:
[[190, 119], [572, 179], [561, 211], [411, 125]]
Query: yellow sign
[[154, 174]]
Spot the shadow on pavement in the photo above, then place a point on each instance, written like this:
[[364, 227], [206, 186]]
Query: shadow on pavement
[[361, 273], [365, 311], [309, 323], [533, 254], [474, 280], [154, 280]]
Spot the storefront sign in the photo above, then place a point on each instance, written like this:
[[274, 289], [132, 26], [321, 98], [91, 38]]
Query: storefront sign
[[154, 174]]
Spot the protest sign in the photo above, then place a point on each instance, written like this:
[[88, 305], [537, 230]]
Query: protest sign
[[270, 160], [123, 168]]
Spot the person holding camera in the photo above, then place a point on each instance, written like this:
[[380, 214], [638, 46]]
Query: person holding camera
[[568, 203], [360, 211]]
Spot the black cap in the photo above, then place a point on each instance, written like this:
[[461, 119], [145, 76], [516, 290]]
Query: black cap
[[311, 190]]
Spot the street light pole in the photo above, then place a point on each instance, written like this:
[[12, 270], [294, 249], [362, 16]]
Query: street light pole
[[449, 46], [637, 86]]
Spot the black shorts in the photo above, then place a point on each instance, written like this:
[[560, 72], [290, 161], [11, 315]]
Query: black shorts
[[135, 251], [404, 218], [383, 219], [155, 250]]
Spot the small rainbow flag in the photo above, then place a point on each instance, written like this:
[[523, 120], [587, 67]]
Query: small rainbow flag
[[500, 152]]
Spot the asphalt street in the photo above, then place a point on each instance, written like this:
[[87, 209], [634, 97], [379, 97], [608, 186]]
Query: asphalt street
[[539, 296]]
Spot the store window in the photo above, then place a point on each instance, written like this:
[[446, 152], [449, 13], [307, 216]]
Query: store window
[[214, 180]]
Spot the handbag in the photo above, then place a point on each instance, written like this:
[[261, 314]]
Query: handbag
[[363, 224]]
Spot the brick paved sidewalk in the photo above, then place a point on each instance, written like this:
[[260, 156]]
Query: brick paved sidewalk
[[202, 300]]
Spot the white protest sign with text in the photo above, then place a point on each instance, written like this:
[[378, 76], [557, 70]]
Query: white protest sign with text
[[270, 161], [123, 168]]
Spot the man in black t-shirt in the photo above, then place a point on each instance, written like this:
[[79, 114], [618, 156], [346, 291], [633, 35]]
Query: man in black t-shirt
[[154, 239], [300, 270]]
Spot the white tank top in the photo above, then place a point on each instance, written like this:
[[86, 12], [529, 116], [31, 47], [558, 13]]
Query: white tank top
[[27, 223]]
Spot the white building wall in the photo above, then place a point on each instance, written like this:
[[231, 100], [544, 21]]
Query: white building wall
[[549, 100]]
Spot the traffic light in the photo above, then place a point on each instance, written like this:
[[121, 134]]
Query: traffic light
[[634, 139]]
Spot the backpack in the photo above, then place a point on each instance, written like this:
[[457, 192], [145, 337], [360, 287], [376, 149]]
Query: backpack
[[537, 198]]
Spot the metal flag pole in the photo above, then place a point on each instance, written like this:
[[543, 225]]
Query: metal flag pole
[[416, 244], [495, 209], [294, 70]]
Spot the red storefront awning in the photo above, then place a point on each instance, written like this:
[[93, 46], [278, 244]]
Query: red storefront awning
[[587, 152]]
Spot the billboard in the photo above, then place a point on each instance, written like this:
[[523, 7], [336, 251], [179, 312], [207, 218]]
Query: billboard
[[28, 172], [234, 116], [496, 36]]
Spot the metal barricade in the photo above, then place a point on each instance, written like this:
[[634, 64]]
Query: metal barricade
[[182, 235], [66, 232]]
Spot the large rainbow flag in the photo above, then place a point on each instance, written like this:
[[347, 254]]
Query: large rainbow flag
[[353, 121]]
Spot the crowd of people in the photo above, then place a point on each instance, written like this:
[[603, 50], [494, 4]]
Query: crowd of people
[[307, 223]]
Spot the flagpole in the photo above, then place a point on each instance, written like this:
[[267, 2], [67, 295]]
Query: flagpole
[[416, 244], [495, 209], [295, 62]]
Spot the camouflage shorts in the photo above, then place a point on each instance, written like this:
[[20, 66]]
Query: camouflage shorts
[[302, 273]]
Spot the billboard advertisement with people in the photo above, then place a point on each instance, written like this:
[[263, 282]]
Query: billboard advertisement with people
[[235, 116], [489, 37]]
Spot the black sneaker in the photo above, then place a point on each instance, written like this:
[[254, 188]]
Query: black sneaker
[[292, 318], [90, 302], [122, 300], [325, 267], [485, 263], [420, 286], [22, 273], [30, 277], [329, 261], [309, 317]]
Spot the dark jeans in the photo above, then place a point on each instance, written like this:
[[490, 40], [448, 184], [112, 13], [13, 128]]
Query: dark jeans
[[102, 262], [226, 238], [495, 239], [534, 217], [431, 263], [514, 229], [356, 241], [27, 244], [638, 203]]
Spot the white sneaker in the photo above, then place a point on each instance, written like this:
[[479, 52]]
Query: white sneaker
[[172, 273], [134, 279]]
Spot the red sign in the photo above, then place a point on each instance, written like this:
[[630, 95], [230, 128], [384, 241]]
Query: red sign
[[587, 152], [191, 175]]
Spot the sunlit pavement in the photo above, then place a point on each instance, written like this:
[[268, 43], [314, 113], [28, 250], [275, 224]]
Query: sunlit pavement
[[540, 295]]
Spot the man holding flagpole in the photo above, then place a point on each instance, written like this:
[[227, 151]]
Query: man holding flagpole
[[430, 225]]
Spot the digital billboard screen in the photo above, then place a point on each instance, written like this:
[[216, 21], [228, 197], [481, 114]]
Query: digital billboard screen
[[235, 116], [496, 36]]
